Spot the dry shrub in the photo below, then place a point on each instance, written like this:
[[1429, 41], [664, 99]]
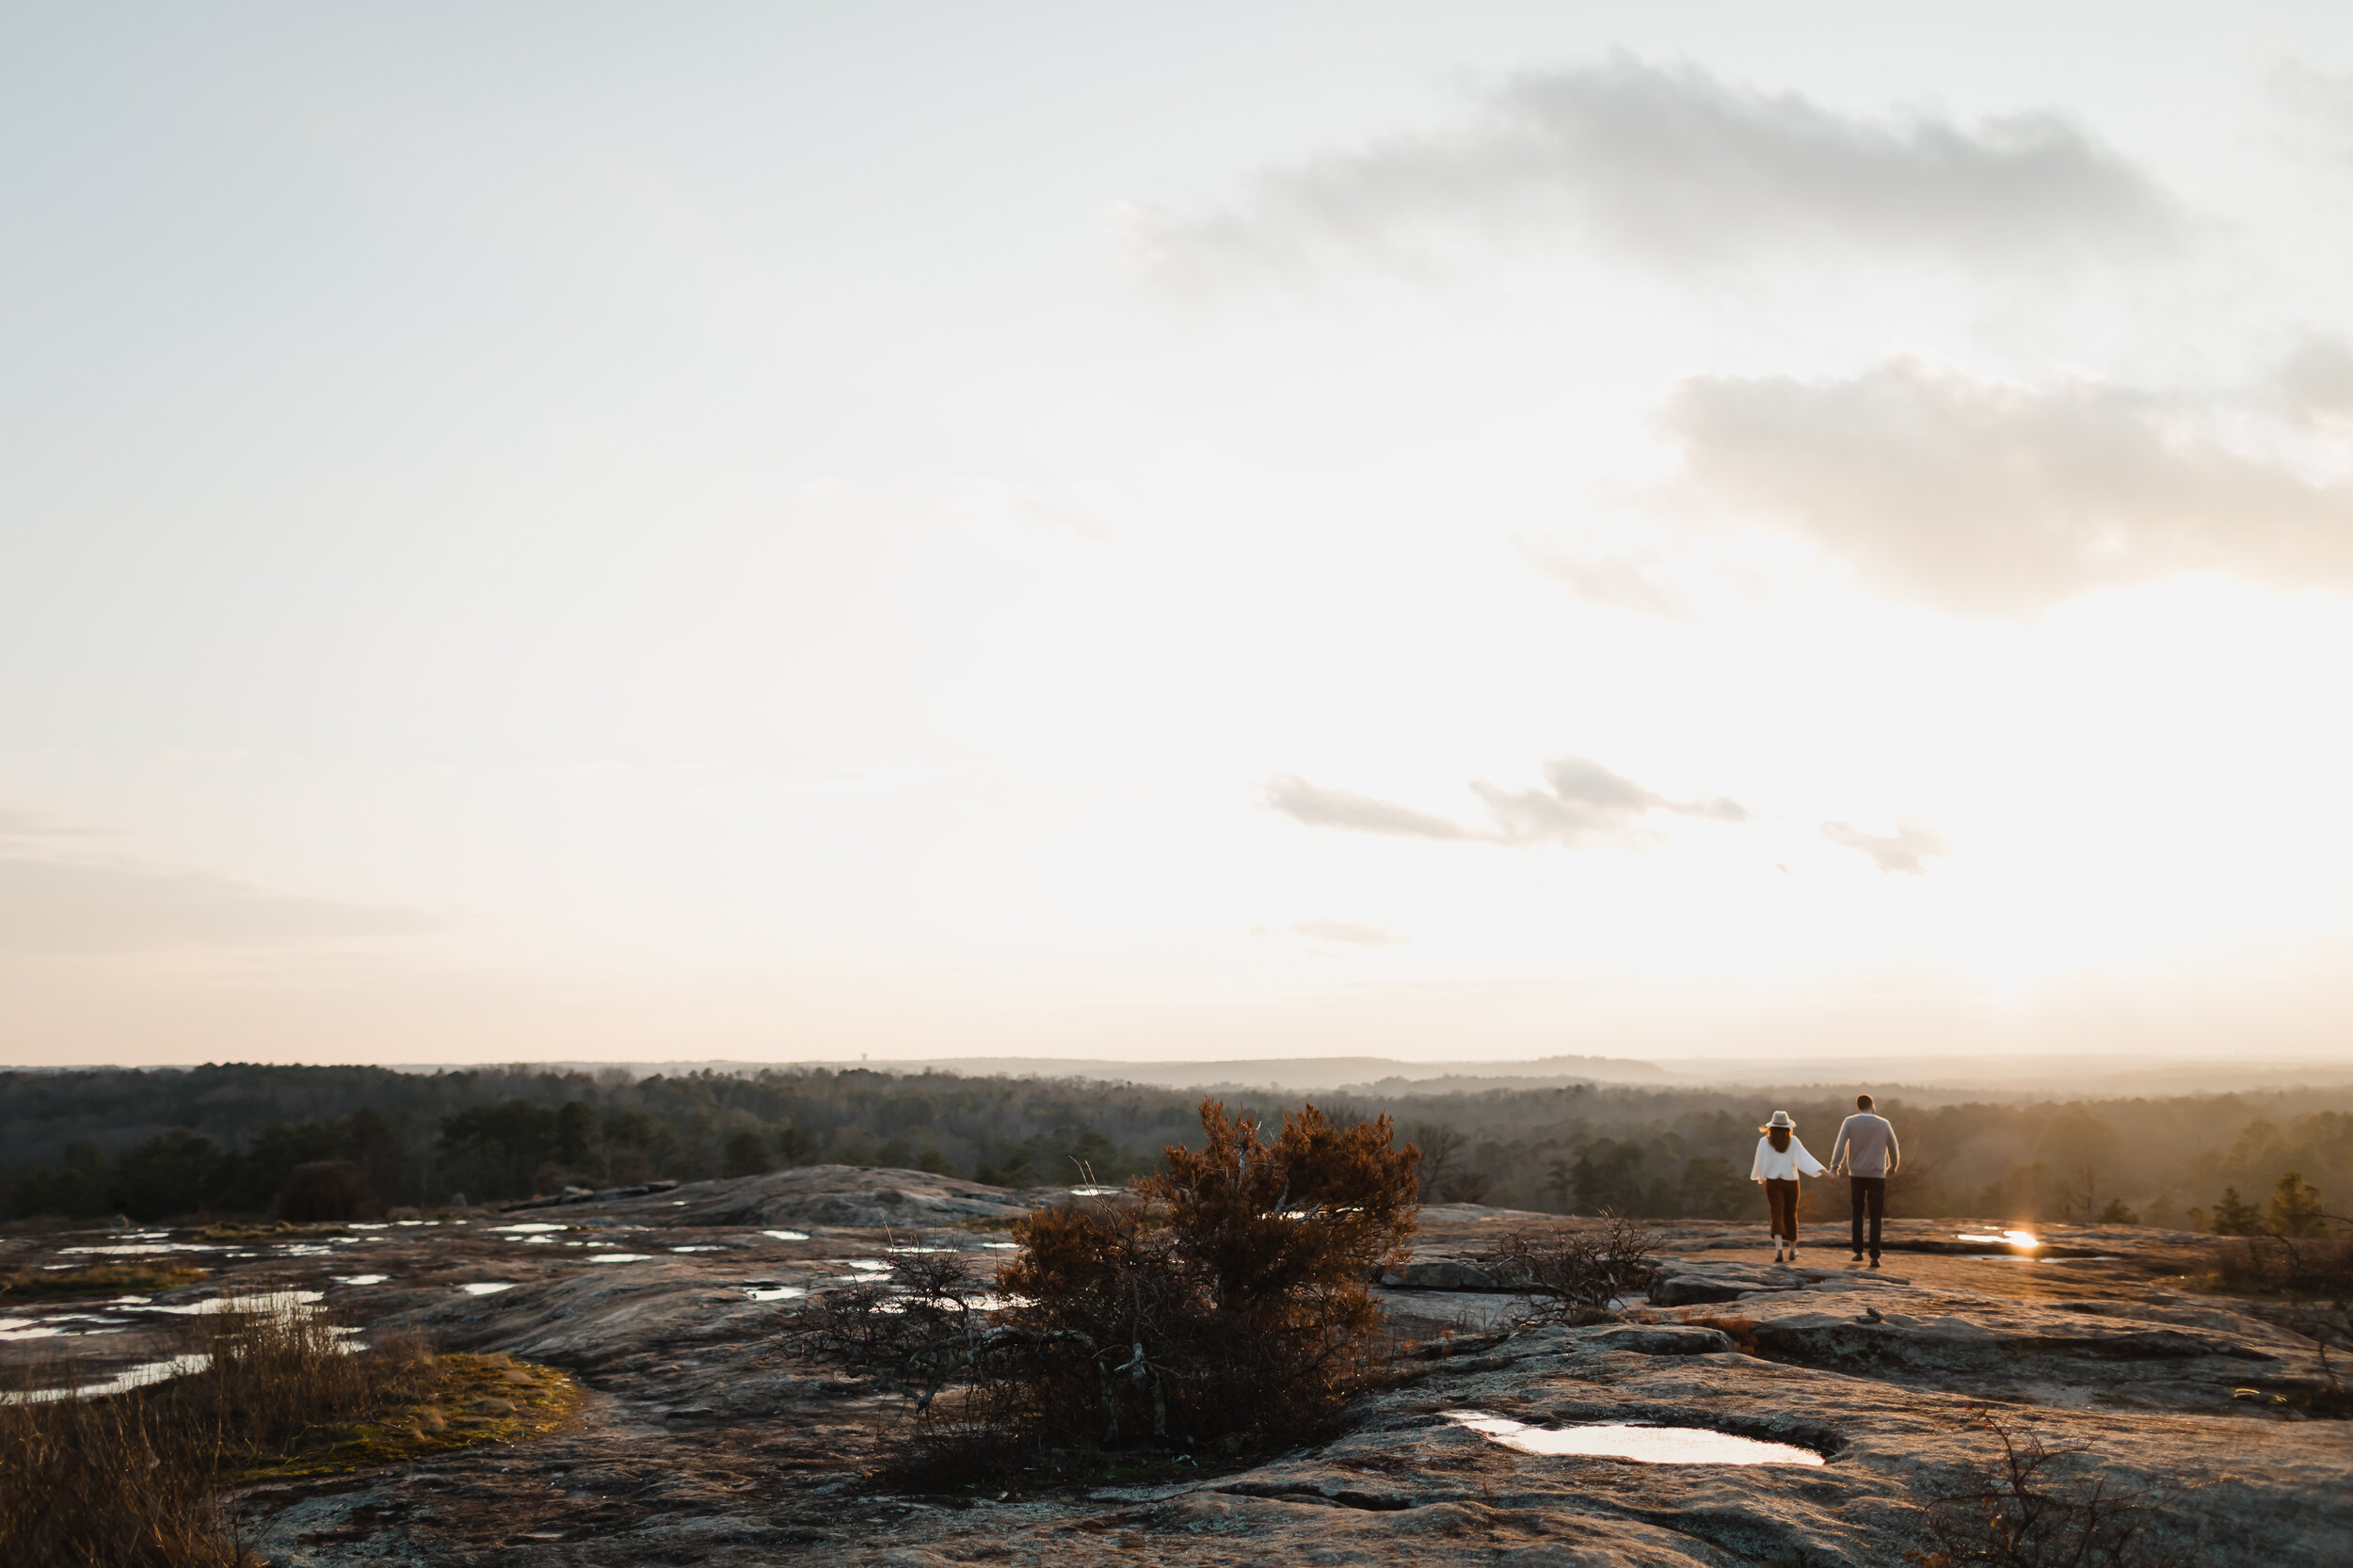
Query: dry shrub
[[2275, 1264], [1223, 1304], [102, 1481], [1575, 1273], [2033, 1505]]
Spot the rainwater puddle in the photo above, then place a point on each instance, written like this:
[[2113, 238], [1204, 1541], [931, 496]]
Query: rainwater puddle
[[280, 1302], [537, 1227], [71, 1325], [623, 1257], [487, 1287], [122, 1383], [362, 1279], [2007, 1238], [773, 1292], [699, 1249], [1096, 1191], [1001, 1246], [787, 1235], [145, 1248], [1643, 1444]]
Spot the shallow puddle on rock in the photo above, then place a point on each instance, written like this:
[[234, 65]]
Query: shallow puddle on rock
[[774, 1293], [1643, 1444], [280, 1302], [487, 1287], [787, 1235], [535, 1227], [699, 1249], [623, 1257], [362, 1279], [135, 1377], [2008, 1238]]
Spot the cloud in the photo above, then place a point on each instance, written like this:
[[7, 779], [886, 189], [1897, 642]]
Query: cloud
[[1671, 166], [1317, 807], [2321, 106], [1354, 933], [54, 900], [1901, 851], [1998, 499], [1622, 582], [1581, 803], [2315, 382]]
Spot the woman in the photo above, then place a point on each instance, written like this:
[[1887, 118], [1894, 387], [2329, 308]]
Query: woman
[[1780, 1159]]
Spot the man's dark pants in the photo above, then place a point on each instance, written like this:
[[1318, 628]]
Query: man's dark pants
[[1870, 1190]]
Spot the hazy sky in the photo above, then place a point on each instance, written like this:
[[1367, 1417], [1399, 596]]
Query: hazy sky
[[1448, 531]]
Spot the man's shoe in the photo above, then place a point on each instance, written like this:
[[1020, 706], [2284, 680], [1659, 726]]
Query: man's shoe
[[1875, 1263], [1858, 1258]]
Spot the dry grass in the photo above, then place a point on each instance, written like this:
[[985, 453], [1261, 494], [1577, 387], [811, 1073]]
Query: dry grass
[[1740, 1330], [102, 1279], [128, 1480]]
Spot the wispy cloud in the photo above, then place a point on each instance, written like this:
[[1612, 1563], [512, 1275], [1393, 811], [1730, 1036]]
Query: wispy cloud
[[1319, 806], [1674, 167], [1351, 933], [1581, 803], [1901, 851], [1993, 498], [1623, 580], [59, 897]]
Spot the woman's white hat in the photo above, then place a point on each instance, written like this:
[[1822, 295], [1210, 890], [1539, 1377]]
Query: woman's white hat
[[1781, 1118]]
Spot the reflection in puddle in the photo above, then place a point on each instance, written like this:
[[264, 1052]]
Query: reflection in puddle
[[144, 1248], [362, 1279], [764, 1292], [534, 1228], [277, 1302], [2012, 1237], [622, 1257], [487, 1287], [787, 1235], [1096, 1191], [135, 1377], [699, 1249], [1002, 1247], [69, 1326], [1644, 1445]]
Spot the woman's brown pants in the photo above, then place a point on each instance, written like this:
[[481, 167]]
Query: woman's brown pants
[[1783, 1197]]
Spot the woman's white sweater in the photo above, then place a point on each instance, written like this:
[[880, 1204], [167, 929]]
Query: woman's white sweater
[[1774, 1165]]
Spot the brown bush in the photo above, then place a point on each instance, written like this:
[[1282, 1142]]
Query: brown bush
[[1224, 1302], [1575, 1273], [326, 1190], [2290, 1265]]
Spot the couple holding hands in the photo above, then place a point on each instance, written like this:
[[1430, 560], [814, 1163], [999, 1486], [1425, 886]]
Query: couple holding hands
[[1866, 1151]]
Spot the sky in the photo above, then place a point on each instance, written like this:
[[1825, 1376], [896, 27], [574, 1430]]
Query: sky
[[1457, 532]]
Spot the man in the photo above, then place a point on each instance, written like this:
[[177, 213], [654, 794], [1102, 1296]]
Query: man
[[1867, 1151]]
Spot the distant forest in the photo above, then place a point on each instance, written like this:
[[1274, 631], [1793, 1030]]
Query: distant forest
[[222, 1141]]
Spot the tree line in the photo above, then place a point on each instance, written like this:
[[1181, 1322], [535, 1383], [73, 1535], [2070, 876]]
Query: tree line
[[226, 1139]]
